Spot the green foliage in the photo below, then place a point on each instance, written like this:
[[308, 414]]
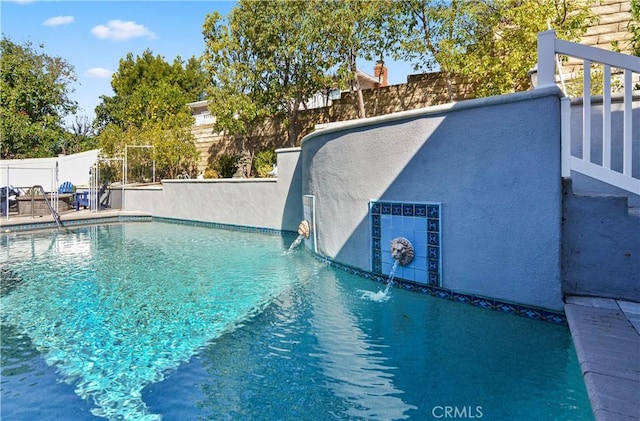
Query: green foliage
[[426, 30], [34, 99], [79, 137], [266, 58], [493, 43], [173, 149], [431, 34], [149, 108], [505, 41], [634, 27], [263, 162], [575, 86], [358, 29], [211, 173], [110, 171], [148, 90], [225, 165]]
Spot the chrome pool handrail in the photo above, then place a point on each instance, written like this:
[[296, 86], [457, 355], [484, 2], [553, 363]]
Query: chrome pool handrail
[[54, 214]]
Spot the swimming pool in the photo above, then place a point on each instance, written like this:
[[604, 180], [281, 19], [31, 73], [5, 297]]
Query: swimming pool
[[155, 320]]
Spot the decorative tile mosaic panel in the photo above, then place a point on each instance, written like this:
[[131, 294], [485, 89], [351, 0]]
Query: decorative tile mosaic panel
[[420, 223]]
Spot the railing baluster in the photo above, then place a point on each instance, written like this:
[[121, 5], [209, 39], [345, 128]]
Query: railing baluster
[[565, 136], [627, 143], [586, 112], [611, 148], [606, 118]]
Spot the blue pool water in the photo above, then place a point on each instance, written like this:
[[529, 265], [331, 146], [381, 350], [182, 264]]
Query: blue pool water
[[149, 321]]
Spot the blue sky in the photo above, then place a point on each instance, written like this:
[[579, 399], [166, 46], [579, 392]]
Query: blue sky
[[93, 36]]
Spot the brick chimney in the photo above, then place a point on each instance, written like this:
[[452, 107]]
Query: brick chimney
[[380, 71]]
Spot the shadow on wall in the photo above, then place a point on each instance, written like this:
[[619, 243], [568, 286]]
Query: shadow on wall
[[493, 166], [292, 212]]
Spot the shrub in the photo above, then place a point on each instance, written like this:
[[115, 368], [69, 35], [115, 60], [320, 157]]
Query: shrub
[[225, 165], [263, 162], [211, 173]]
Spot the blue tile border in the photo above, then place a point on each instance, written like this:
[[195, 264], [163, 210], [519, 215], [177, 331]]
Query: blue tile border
[[228, 227], [144, 218], [75, 223], [529, 312]]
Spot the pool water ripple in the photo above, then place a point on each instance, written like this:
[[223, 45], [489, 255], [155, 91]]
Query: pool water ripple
[[161, 321], [113, 324]]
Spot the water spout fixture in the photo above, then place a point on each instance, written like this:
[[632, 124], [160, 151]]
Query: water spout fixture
[[402, 251], [304, 229], [303, 233]]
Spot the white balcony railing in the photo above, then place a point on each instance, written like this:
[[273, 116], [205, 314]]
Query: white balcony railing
[[627, 177], [204, 118]]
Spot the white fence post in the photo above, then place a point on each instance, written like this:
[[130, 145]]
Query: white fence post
[[546, 58]]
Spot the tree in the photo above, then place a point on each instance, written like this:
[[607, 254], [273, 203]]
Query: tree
[[267, 58], [634, 27], [429, 32], [148, 89], [34, 99], [505, 40], [492, 43], [149, 108], [79, 137], [358, 29]]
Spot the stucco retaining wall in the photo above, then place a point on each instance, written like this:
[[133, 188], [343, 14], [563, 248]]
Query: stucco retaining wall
[[268, 203], [601, 246], [492, 163]]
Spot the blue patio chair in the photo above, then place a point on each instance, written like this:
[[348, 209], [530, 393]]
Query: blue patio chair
[[83, 198], [66, 188]]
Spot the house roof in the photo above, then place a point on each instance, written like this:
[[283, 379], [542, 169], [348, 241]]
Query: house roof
[[197, 104], [362, 76]]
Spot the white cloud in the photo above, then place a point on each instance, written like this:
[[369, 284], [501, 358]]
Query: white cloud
[[118, 30], [21, 1], [58, 20], [99, 72]]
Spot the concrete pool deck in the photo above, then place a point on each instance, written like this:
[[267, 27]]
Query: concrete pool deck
[[606, 335]]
